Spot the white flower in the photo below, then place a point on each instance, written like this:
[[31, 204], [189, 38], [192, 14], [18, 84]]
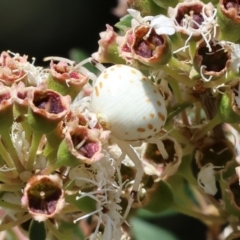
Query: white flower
[[20, 143], [107, 196], [35, 75], [207, 28], [160, 23]]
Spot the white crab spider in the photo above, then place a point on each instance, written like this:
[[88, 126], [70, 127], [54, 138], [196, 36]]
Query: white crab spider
[[133, 109], [130, 106]]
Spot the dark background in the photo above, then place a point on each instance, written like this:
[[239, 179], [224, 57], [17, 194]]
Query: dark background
[[52, 27]]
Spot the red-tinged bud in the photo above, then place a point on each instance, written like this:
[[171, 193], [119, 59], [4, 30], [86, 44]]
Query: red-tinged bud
[[46, 109], [20, 97], [80, 145], [108, 48], [65, 79], [9, 69], [144, 45]]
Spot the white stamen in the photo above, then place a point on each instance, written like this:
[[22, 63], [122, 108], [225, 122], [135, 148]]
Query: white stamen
[[59, 59], [88, 215]]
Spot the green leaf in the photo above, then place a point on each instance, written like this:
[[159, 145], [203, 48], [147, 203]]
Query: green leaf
[[172, 112], [85, 204], [142, 213], [143, 230], [125, 23], [37, 231], [161, 198]]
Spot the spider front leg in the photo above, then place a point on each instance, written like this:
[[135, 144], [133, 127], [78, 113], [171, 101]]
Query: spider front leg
[[160, 146], [129, 150]]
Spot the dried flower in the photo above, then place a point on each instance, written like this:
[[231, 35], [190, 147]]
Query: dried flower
[[43, 196], [194, 20]]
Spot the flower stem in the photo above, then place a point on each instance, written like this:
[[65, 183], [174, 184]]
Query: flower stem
[[206, 218], [55, 231], [204, 130], [11, 149], [182, 78], [28, 130], [50, 153], [10, 187], [178, 95], [221, 80], [7, 179], [192, 49], [175, 63], [179, 137], [18, 222], [37, 136], [198, 113], [49, 169], [11, 206], [5, 155], [185, 170]]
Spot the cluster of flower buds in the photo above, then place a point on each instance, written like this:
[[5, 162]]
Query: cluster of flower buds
[[55, 167], [164, 118], [190, 50]]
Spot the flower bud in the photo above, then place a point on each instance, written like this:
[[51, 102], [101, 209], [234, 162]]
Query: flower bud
[[211, 64], [65, 79], [146, 46], [217, 152], [228, 20], [55, 137], [108, 48], [80, 145], [43, 196], [9, 69], [46, 109], [155, 164], [194, 19], [20, 97]]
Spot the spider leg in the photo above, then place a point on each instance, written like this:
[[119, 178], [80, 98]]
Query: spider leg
[[120, 159], [160, 146], [133, 155]]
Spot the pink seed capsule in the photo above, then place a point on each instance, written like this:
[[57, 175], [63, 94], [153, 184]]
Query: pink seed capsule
[[128, 104]]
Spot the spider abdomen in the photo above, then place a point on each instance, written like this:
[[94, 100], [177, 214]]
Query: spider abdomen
[[128, 104]]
